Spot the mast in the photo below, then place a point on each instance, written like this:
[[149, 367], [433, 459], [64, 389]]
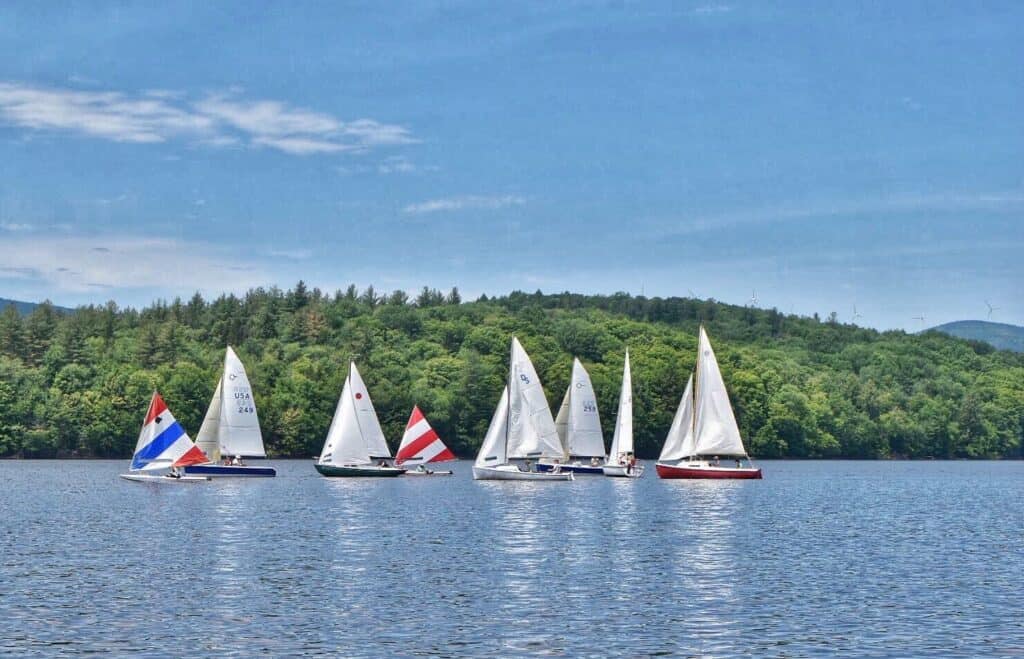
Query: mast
[[508, 401]]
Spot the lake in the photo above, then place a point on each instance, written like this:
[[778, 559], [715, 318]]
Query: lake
[[819, 558]]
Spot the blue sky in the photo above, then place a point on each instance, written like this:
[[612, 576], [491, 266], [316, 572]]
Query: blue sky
[[816, 155]]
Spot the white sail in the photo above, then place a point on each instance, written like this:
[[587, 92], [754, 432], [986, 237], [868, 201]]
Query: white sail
[[492, 451], [207, 439], [583, 435], [714, 424], [531, 432], [344, 444], [562, 421], [680, 441], [238, 431], [369, 425], [622, 440]]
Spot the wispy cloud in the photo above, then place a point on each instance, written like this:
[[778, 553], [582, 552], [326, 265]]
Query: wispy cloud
[[466, 202], [999, 201], [710, 10], [217, 120], [291, 254], [15, 226], [80, 263]]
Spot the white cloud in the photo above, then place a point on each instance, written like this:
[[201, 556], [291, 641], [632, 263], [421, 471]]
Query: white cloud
[[15, 226], [301, 146], [466, 202], [76, 264], [218, 120]]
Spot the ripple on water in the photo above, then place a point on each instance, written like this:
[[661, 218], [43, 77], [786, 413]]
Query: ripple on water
[[869, 559]]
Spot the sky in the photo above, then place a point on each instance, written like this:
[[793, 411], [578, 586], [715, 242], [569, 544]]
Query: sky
[[861, 158]]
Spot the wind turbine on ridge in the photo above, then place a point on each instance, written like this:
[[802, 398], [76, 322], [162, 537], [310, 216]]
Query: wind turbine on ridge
[[990, 309], [855, 314], [753, 299]]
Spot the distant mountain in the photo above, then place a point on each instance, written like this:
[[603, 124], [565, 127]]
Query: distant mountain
[[25, 308], [1000, 335]]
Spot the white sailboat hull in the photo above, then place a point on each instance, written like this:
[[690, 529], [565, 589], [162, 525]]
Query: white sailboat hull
[[163, 478], [621, 471], [509, 472]]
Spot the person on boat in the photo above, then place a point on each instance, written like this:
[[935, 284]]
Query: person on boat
[[714, 461], [738, 463], [174, 473], [226, 460], [594, 461], [236, 461], [529, 465], [383, 463], [422, 468], [631, 464]]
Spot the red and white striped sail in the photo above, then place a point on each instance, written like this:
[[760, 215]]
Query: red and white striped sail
[[420, 442]]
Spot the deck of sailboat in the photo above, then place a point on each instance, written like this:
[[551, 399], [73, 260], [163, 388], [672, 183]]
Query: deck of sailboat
[[574, 467], [358, 471], [162, 478], [244, 471]]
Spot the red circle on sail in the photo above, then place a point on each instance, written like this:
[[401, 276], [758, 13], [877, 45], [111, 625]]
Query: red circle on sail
[[358, 395]]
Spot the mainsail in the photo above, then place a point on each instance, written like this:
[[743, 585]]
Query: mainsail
[[622, 440], [238, 428], [714, 424], [578, 423], [420, 443], [531, 430], [163, 442]]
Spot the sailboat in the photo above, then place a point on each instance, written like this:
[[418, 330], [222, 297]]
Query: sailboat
[[621, 460], [421, 445], [163, 444], [231, 427], [704, 428], [579, 427], [355, 441], [521, 428]]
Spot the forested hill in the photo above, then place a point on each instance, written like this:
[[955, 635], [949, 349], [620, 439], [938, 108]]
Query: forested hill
[[79, 384], [1001, 335]]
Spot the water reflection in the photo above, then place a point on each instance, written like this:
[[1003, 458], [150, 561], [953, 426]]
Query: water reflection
[[818, 559]]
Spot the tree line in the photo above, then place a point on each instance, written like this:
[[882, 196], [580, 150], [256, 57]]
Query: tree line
[[77, 384]]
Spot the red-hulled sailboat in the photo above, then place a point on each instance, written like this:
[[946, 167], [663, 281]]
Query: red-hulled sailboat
[[704, 436]]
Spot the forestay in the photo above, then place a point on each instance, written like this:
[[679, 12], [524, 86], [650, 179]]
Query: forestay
[[207, 439], [680, 441], [493, 450]]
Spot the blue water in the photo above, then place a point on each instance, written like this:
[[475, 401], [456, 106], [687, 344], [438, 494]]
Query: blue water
[[819, 558]]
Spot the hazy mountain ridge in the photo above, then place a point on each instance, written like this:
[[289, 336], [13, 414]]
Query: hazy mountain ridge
[[1000, 335], [25, 308]]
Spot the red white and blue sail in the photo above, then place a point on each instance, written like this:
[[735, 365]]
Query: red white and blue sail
[[163, 443], [420, 443]]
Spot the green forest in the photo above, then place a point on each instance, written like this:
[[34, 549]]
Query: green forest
[[77, 384]]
